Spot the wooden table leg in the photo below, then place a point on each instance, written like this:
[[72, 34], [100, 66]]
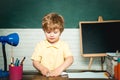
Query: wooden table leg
[[90, 63]]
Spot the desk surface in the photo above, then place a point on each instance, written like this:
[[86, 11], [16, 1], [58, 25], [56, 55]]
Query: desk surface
[[38, 76]]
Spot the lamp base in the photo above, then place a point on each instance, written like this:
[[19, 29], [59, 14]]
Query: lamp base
[[3, 73]]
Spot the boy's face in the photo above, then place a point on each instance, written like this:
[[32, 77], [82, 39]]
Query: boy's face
[[52, 36]]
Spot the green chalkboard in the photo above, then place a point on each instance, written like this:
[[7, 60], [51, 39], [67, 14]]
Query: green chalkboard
[[28, 13], [100, 37]]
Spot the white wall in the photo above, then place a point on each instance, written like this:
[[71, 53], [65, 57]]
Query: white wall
[[28, 40]]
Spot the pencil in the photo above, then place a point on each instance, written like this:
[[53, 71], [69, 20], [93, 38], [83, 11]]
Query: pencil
[[21, 63]]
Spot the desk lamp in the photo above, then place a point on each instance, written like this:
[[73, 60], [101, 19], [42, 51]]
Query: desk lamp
[[12, 39]]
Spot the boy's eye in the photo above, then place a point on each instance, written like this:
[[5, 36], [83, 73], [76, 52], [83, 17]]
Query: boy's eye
[[48, 32], [55, 32]]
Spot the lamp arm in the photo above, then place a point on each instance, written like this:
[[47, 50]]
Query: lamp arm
[[4, 57]]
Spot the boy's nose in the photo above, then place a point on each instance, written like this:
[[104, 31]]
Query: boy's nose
[[51, 34]]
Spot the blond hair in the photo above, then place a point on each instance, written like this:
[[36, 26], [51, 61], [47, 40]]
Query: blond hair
[[53, 21]]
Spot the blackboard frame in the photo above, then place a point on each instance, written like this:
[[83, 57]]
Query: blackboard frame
[[81, 37]]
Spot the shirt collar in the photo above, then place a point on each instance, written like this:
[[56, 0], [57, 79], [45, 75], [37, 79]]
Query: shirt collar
[[56, 45]]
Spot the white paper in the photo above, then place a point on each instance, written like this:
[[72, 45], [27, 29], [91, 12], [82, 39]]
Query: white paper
[[87, 75]]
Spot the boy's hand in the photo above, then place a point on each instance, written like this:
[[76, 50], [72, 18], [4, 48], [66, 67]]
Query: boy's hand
[[56, 72], [45, 71]]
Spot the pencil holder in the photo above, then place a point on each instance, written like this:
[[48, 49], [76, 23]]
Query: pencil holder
[[15, 72]]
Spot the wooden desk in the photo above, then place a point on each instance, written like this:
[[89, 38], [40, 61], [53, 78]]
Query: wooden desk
[[38, 76]]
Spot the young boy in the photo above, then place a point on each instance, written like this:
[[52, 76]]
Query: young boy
[[52, 56]]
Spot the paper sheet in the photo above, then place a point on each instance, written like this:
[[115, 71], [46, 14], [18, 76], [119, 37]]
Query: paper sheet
[[87, 75]]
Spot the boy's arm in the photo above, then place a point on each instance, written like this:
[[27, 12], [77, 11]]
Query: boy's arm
[[40, 67], [68, 61]]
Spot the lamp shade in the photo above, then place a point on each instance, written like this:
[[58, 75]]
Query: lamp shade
[[12, 39]]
